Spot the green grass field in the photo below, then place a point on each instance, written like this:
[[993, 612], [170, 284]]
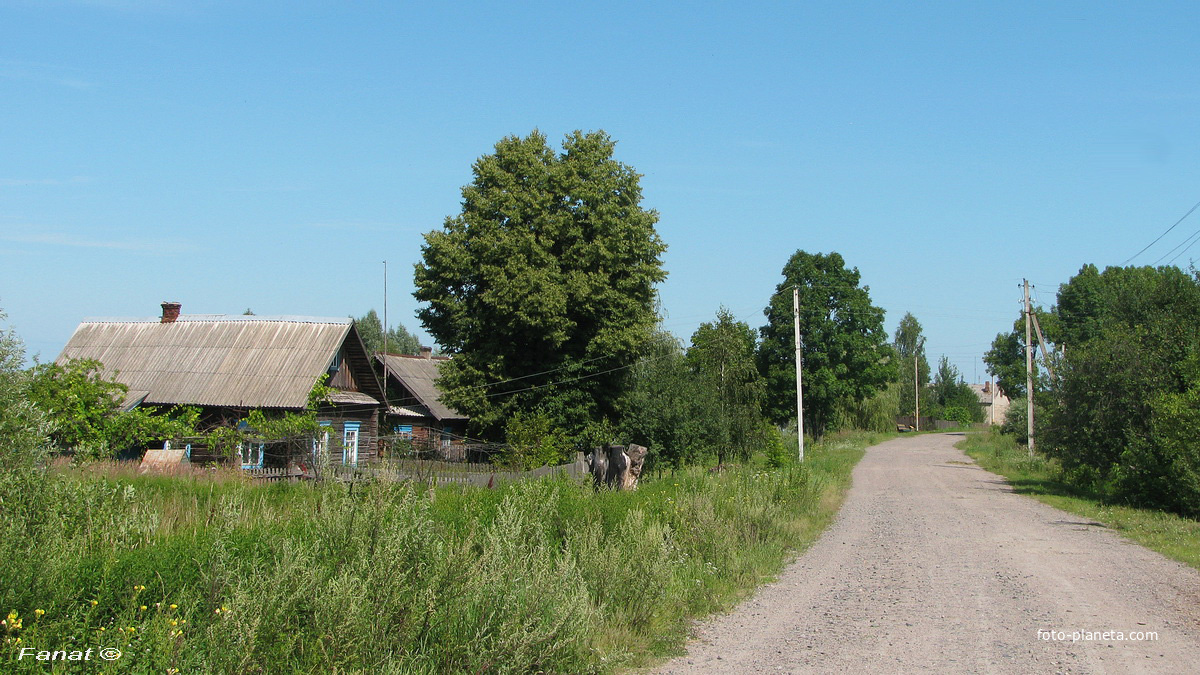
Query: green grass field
[[1173, 536], [217, 575]]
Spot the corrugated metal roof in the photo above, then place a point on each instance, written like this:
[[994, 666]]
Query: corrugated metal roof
[[419, 374], [405, 412], [352, 397], [236, 361]]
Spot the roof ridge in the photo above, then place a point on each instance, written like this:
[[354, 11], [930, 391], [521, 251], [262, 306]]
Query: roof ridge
[[217, 318]]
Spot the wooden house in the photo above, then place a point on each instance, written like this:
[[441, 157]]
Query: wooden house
[[416, 411], [228, 365]]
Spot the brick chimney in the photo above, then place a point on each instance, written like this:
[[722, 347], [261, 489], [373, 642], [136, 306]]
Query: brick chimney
[[170, 311], [426, 352]]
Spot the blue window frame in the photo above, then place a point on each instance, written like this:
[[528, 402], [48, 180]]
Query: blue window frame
[[350, 443], [321, 442], [251, 454]]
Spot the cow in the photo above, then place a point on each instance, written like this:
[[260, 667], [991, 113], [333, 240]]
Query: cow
[[616, 466]]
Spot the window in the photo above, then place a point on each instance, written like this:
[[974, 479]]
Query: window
[[350, 443], [321, 442], [251, 455], [403, 430], [446, 436]]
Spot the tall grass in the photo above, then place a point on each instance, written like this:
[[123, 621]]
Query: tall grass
[[220, 576], [1043, 479]]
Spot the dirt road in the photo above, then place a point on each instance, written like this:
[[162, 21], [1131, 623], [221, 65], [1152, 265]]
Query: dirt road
[[933, 565]]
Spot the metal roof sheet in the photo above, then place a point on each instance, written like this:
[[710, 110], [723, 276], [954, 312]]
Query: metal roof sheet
[[235, 361], [339, 396], [419, 375], [402, 411]]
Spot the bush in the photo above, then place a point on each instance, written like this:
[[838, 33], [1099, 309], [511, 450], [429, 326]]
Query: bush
[[533, 441], [1016, 421]]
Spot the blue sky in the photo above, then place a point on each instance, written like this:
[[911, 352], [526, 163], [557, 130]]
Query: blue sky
[[269, 155]]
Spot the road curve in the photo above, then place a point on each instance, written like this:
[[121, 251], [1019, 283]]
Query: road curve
[[934, 565]]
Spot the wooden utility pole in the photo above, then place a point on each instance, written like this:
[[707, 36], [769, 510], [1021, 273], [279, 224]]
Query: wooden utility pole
[[386, 404], [799, 389], [1037, 327], [385, 324], [992, 389], [917, 387], [1028, 368]]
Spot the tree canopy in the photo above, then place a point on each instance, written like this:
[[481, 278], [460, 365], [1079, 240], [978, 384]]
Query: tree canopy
[[543, 287], [1123, 413], [909, 343], [722, 355], [951, 398], [24, 428], [399, 340], [846, 357], [667, 408]]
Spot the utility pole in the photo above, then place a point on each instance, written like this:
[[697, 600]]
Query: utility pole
[[992, 389], [799, 389], [917, 386], [916, 394], [386, 405], [385, 324], [1028, 369], [1037, 327]]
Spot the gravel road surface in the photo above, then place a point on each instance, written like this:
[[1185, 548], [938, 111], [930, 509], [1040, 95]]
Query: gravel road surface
[[934, 565]]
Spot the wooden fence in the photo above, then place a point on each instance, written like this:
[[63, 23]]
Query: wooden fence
[[426, 471]]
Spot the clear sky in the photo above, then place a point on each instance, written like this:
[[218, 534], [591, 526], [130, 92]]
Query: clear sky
[[270, 155]]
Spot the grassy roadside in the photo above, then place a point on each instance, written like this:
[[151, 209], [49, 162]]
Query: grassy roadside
[[222, 576], [1171, 535]]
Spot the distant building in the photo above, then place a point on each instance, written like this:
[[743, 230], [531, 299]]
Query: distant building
[[416, 410], [995, 402], [228, 365]]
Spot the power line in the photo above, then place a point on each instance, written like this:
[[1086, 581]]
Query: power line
[[1197, 205], [1193, 239]]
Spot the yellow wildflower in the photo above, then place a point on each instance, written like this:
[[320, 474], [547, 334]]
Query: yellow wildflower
[[174, 606], [39, 612]]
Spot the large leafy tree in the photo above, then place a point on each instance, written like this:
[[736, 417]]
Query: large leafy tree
[[399, 340], [1122, 411], [722, 355], [909, 343], [543, 287], [846, 357]]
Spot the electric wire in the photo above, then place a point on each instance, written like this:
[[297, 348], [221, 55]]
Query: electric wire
[[1197, 205]]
